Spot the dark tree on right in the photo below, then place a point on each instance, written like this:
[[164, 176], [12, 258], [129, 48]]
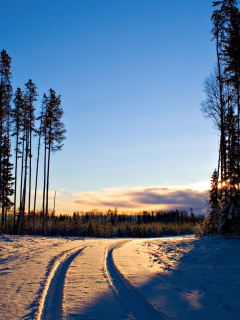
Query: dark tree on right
[[222, 104]]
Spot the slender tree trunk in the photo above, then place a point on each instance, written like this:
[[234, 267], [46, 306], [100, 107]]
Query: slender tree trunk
[[48, 168], [44, 186], [54, 205], [15, 188], [21, 184], [8, 158], [5, 224], [48, 171], [222, 120], [24, 194], [232, 23], [25, 181], [36, 183], [36, 180], [219, 158], [30, 161], [30, 177], [3, 217]]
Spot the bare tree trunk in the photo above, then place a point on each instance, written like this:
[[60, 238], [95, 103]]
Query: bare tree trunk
[[222, 120], [15, 189], [3, 217], [36, 183], [5, 224], [48, 171], [25, 181], [54, 205], [8, 158], [36, 180], [30, 177], [21, 186], [44, 186]]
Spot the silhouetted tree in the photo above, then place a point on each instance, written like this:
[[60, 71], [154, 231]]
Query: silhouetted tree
[[39, 133], [230, 48], [54, 133], [24, 157], [5, 110], [30, 97], [16, 130], [214, 191], [225, 198], [6, 185], [217, 31]]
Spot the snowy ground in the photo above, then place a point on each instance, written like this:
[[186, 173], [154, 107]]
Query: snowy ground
[[178, 278]]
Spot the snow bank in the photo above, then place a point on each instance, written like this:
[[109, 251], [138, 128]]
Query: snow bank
[[185, 278]]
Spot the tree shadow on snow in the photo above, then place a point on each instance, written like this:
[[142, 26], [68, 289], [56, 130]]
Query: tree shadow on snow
[[204, 285]]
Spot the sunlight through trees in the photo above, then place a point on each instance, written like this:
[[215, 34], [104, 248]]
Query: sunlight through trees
[[222, 105]]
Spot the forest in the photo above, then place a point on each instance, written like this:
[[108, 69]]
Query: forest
[[112, 224], [19, 125], [222, 105]]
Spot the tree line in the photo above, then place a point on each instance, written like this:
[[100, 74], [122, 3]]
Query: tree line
[[113, 224], [19, 126], [222, 105]]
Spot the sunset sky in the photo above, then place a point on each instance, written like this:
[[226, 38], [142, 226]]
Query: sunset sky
[[130, 74]]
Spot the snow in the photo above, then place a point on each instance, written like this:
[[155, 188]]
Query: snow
[[162, 278], [185, 278], [25, 265]]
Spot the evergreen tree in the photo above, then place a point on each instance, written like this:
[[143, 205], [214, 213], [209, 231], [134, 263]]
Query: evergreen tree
[[54, 134], [39, 133], [230, 48], [5, 110], [24, 158], [232, 146], [16, 130], [30, 98], [217, 31], [214, 191], [224, 216], [6, 186]]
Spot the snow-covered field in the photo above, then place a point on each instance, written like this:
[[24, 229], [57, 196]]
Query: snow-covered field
[[165, 278]]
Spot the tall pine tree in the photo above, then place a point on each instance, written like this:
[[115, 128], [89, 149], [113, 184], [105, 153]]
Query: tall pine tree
[[17, 124], [5, 110], [54, 135]]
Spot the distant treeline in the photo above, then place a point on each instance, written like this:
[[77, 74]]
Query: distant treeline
[[113, 224]]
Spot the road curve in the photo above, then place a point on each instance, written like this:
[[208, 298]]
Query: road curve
[[133, 300]]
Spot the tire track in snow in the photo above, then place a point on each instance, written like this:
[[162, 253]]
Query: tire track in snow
[[133, 300], [50, 306]]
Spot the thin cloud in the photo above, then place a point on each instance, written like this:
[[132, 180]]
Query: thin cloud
[[143, 198]]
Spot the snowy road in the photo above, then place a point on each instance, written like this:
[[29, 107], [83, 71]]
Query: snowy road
[[52, 300], [169, 278], [85, 286], [134, 301]]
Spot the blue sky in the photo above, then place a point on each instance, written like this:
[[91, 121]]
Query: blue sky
[[130, 75]]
